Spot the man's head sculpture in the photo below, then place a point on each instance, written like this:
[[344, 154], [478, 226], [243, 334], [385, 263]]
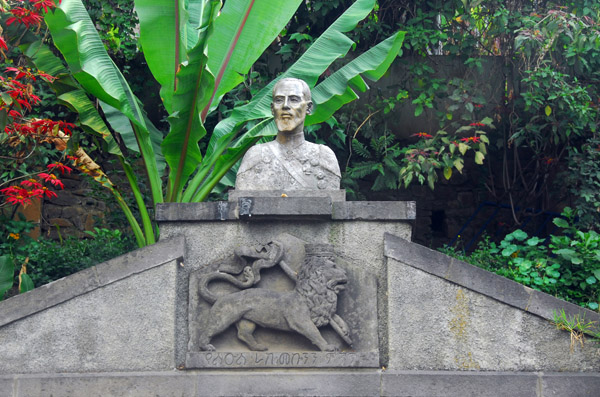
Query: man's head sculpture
[[289, 162], [291, 103]]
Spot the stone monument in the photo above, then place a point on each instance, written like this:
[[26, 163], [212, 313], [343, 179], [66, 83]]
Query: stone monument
[[288, 289], [289, 162]]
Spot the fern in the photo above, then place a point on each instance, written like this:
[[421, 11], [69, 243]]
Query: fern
[[360, 170], [360, 149]]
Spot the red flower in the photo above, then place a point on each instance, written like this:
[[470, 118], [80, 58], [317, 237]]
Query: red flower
[[477, 125], [423, 135], [478, 105], [21, 93], [33, 183], [46, 126], [59, 166], [46, 76], [16, 195], [21, 129], [21, 72], [49, 193], [52, 179], [72, 158], [3, 44], [24, 16], [46, 4], [473, 139]]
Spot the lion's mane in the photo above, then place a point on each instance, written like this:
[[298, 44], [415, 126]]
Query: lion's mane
[[312, 284]]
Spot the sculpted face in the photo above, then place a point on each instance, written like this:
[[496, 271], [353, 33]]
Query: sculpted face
[[290, 106]]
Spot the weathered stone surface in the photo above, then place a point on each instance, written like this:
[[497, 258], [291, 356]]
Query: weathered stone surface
[[482, 281], [193, 383], [375, 210], [459, 384], [208, 211], [358, 242], [66, 198], [303, 383], [128, 325], [441, 330], [304, 208], [335, 195], [257, 208], [469, 330], [557, 384], [61, 222]]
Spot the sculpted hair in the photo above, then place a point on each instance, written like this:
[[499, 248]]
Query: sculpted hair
[[305, 88]]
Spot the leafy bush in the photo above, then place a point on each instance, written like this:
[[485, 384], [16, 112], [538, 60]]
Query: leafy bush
[[51, 260], [568, 267], [42, 261]]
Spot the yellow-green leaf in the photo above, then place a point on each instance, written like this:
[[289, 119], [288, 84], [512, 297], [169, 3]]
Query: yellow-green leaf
[[449, 116], [548, 110], [458, 163], [479, 157], [447, 172], [482, 148], [462, 147]]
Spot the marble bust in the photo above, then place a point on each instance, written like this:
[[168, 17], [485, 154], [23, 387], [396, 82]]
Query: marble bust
[[289, 162]]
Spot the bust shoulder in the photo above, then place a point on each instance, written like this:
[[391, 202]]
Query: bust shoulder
[[327, 159], [252, 157]]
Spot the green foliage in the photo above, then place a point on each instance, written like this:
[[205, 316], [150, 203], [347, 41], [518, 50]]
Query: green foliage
[[583, 181], [26, 262], [568, 267], [50, 260]]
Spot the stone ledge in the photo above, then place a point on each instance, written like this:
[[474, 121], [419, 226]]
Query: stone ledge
[[277, 208], [258, 208], [335, 195], [481, 281], [303, 383], [90, 279], [375, 210]]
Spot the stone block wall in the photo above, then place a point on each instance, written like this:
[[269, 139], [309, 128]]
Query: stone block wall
[[74, 211]]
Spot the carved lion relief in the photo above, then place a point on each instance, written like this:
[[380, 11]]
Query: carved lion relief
[[311, 304]]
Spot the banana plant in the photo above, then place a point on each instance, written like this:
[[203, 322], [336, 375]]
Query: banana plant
[[198, 51]]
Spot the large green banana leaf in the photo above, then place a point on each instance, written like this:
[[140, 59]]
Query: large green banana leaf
[[338, 89], [243, 31], [168, 31], [76, 37], [195, 85]]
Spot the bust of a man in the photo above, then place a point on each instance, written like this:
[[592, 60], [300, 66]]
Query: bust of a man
[[289, 162]]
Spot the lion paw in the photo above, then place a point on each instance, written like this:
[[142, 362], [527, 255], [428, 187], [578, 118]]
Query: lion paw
[[208, 347], [330, 348], [259, 347]]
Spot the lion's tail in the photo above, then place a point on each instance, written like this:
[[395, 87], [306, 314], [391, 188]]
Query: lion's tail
[[205, 279]]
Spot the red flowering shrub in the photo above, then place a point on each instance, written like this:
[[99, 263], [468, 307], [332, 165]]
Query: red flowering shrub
[[24, 179]]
